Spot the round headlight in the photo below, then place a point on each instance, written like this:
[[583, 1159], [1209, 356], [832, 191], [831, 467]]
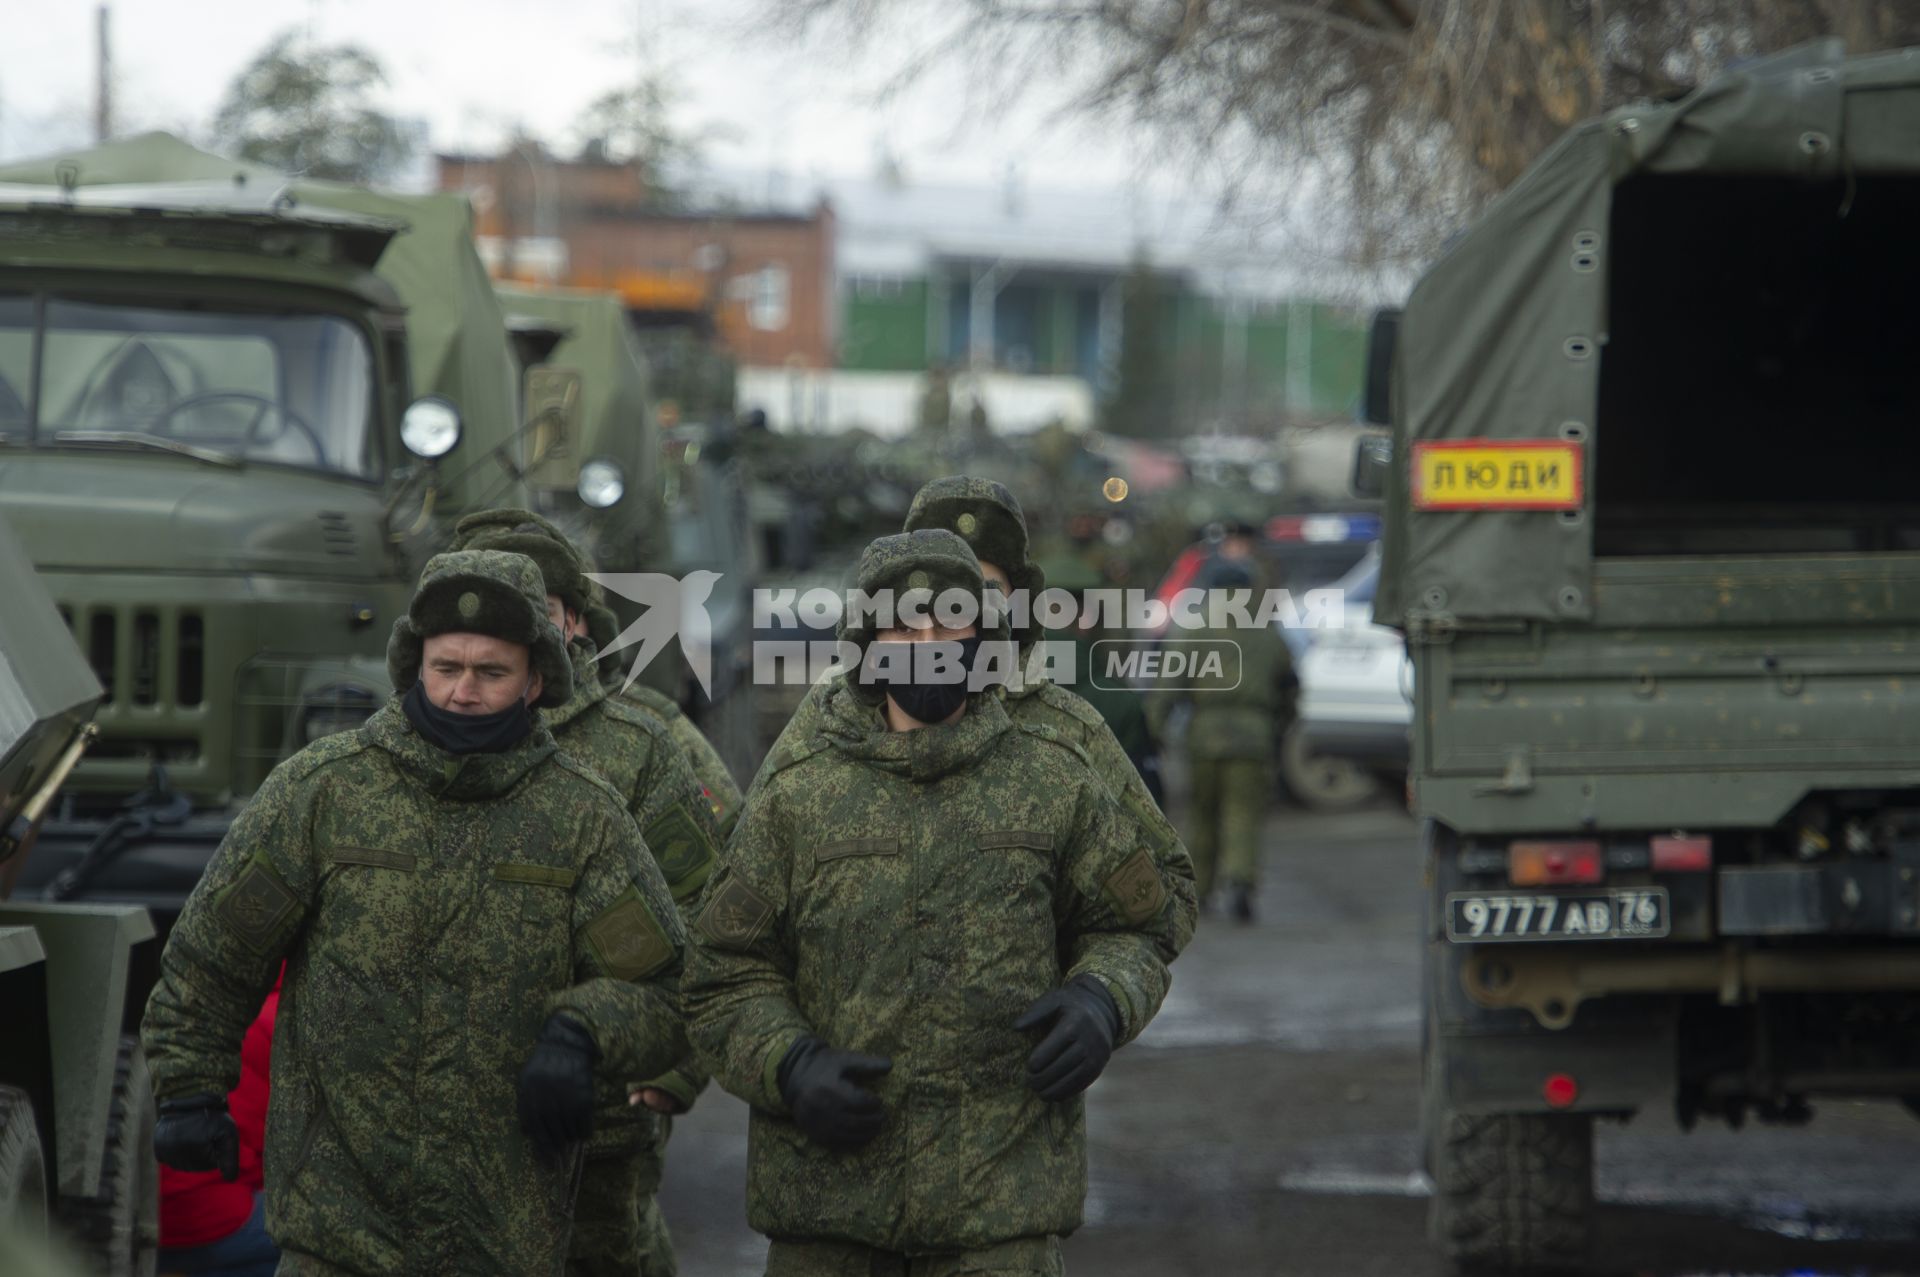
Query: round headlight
[[430, 428], [601, 483]]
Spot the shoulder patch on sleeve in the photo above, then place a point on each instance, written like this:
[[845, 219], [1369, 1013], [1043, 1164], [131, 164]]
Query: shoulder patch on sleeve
[[735, 916], [1135, 889], [255, 905], [681, 848], [628, 939]]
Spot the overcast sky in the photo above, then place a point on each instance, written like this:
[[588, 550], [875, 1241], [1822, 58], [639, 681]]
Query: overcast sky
[[472, 69]]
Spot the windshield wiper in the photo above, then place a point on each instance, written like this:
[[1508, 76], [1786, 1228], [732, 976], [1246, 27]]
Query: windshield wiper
[[131, 438]]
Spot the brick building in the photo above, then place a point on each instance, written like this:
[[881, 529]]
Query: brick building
[[766, 279]]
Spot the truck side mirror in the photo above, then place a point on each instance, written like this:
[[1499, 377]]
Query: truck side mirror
[[1372, 457], [552, 399], [1381, 340]]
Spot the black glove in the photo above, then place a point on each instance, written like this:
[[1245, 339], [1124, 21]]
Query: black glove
[[1077, 1048], [822, 1087], [195, 1133], [556, 1087]]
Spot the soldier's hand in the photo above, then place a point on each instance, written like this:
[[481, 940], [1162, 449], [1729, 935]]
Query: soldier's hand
[[556, 1087], [195, 1133], [658, 1100], [1076, 1049], [822, 1087]]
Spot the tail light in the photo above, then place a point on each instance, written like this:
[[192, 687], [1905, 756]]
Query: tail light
[[1678, 855], [1549, 864]]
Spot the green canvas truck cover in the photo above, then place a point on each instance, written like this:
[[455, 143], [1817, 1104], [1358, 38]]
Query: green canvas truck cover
[[1503, 337]]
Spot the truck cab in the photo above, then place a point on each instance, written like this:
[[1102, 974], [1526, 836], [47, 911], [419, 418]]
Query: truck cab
[[204, 418]]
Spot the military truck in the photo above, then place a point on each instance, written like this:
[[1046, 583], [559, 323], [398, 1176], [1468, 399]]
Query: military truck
[[76, 1109], [603, 485], [1654, 543], [213, 455]]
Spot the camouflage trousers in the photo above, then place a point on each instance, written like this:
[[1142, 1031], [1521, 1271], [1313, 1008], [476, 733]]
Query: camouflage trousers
[[1022, 1257], [1229, 801], [618, 1230]]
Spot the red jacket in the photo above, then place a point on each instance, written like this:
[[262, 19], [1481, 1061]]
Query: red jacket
[[198, 1208]]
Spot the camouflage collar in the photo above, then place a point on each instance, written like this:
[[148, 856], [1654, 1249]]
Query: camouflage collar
[[927, 753], [588, 690], [463, 779]]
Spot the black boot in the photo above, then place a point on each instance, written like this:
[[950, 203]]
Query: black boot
[[1242, 896]]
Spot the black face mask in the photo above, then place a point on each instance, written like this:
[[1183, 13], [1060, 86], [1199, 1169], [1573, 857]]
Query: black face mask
[[466, 733], [935, 700]]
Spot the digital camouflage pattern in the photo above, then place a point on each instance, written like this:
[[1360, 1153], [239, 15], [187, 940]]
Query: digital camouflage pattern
[[563, 568], [1047, 708], [909, 894], [988, 517], [618, 1228], [1028, 1257], [723, 792], [917, 569], [1041, 704], [433, 910], [617, 1225]]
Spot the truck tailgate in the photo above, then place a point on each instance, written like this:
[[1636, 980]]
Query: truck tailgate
[[1703, 693]]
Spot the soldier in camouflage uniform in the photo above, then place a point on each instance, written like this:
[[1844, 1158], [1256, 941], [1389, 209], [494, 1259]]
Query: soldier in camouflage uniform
[[618, 1228], [925, 939], [723, 791], [472, 927], [1230, 741], [988, 517]]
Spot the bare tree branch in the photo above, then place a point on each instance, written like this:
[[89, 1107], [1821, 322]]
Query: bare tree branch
[[1410, 115]]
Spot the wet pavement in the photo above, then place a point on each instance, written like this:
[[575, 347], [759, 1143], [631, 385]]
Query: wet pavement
[[1264, 1124]]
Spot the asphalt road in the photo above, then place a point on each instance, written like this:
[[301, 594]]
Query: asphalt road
[[1264, 1124]]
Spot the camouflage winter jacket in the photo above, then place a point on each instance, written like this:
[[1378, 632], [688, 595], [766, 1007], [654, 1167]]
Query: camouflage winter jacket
[[1035, 702], [1242, 692], [909, 895], [723, 792], [633, 751], [433, 911]]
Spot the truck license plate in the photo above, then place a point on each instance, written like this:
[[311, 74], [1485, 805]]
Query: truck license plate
[[1627, 913]]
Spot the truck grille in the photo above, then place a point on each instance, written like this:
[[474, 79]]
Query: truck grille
[[145, 656]]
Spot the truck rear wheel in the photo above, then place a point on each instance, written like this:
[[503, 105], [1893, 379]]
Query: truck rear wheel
[[23, 1170], [1513, 1193], [117, 1230]]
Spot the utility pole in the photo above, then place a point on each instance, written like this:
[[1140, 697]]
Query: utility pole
[[103, 83]]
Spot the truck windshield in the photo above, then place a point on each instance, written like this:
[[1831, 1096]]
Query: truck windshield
[[288, 388]]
